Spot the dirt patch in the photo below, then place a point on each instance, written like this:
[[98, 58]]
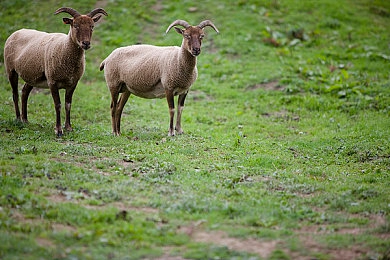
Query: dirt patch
[[353, 252], [220, 238], [43, 242], [261, 248], [62, 228], [270, 85], [376, 221], [308, 234], [20, 217], [57, 198]]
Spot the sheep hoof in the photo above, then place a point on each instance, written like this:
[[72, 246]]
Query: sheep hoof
[[59, 133], [179, 130]]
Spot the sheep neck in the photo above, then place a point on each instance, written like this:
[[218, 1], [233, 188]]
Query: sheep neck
[[73, 42], [186, 59], [71, 46], [69, 57]]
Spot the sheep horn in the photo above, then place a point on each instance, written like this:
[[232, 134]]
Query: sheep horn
[[97, 11], [178, 22], [207, 23], [68, 10]]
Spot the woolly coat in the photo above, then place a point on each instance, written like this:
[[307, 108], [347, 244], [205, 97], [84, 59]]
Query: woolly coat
[[148, 70], [42, 59]]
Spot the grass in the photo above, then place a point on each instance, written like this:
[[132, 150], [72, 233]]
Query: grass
[[285, 154]]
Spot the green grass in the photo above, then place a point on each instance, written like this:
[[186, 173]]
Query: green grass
[[286, 151]]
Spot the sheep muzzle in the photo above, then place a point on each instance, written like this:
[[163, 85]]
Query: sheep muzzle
[[195, 51], [85, 45]]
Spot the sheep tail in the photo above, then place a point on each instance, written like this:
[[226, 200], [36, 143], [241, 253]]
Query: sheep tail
[[102, 65]]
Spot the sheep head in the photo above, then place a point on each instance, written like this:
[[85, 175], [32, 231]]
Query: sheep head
[[81, 25], [192, 35]]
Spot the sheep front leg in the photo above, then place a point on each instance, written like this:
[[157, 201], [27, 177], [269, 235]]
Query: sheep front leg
[[68, 106], [180, 107], [57, 105], [171, 106], [25, 93]]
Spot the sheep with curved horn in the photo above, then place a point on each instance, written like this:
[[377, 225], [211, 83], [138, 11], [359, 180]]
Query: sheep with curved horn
[[149, 71], [50, 60]]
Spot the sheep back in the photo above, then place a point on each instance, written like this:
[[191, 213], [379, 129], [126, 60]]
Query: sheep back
[[147, 70]]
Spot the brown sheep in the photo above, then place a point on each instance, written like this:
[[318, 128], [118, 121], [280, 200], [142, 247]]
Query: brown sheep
[[155, 72], [50, 60]]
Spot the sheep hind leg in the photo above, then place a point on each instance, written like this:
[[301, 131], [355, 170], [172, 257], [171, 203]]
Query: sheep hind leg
[[118, 113], [13, 80], [180, 107], [114, 102], [25, 93]]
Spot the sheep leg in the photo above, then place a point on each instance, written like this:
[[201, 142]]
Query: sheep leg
[[25, 93], [180, 107], [171, 106], [57, 105], [118, 113], [114, 102], [68, 106], [13, 80]]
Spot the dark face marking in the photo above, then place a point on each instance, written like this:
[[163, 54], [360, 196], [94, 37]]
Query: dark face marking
[[193, 36], [82, 27]]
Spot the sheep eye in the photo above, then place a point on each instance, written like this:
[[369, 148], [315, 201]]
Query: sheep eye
[[187, 36], [201, 37]]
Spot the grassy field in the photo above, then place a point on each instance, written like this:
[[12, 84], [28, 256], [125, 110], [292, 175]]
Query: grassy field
[[285, 155]]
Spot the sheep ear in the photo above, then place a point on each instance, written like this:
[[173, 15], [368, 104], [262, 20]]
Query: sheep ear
[[67, 21], [179, 30], [95, 19]]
